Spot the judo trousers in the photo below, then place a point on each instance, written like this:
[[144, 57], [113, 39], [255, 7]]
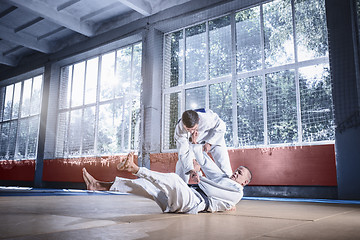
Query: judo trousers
[[168, 190]]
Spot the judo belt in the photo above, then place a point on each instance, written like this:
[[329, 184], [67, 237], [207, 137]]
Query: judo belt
[[203, 195]]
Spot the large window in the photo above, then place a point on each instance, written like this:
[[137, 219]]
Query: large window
[[20, 105], [99, 104], [264, 70]]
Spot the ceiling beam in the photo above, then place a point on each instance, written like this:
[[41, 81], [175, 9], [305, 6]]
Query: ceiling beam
[[25, 40], [8, 61], [7, 11], [67, 4], [141, 6], [51, 14]]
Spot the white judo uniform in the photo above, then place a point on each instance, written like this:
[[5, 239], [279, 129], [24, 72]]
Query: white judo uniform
[[172, 194], [211, 129]]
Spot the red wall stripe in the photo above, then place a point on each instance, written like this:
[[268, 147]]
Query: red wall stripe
[[287, 166]]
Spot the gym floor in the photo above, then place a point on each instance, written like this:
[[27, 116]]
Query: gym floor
[[91, 215]]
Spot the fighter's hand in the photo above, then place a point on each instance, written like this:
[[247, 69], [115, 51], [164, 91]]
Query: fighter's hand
[[206, 147], [196, 166], [194, 176], [194, 137]]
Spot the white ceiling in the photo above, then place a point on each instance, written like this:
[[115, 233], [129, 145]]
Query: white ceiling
[[29, 27]]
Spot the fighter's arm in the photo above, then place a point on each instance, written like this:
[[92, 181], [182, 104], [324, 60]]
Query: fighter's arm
[[216, 127], [183, 148], [231, 194]]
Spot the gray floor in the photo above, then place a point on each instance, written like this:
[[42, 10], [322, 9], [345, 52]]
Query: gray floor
[[132, 217]]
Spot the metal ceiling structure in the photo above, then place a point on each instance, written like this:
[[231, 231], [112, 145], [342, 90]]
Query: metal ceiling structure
[[40, 27]]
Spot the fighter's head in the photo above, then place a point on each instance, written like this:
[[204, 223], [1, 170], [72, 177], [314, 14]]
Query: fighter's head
[[242, 175], [190, 120]]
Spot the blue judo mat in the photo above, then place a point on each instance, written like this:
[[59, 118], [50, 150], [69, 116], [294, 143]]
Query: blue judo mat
[[28, 191], [310, 200]]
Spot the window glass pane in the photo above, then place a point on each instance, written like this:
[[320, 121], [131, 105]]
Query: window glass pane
[[174, 59], [91, 80], [281, 107], [65, 87], [22, 139], [196, 53], [250, 111], [248, 40], [221, 103], [77, 95], [33, 136], [16, 103], [8, 102], [279, 42], [123, 71], [109, 135], [135, 124], [2, 101], [125, 125], [195, 98], [316, 103], [137, 78], [220, 47], [88, 132], [311, 29], [75, 132], [172, 115], [136, 85], [61, 149], [4, 140], [12, 139], [26, 100], [36, 96], [107, 80]]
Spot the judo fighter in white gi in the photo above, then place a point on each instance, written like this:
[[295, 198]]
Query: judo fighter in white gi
[[200, 127], [216, 192]]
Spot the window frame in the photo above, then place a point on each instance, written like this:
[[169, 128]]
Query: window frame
[[98, 52], [235, 76], [21, 78]]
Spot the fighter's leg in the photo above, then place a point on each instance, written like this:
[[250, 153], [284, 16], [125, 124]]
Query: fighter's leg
[[128, 164], [140, 187], [93, 184], [180, 198], [221, 158], [162, 187], [179, 170]]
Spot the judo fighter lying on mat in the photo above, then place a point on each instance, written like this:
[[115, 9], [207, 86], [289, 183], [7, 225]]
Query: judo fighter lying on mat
[[215, 192]]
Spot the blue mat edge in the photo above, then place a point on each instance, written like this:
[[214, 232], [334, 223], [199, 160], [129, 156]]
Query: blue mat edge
[[310, 200], [23, 191]]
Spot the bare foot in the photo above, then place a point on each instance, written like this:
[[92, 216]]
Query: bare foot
[[233, 209], [92, 183], [128, 164]]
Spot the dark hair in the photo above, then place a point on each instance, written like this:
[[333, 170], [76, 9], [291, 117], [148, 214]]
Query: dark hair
[[190, 118]]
